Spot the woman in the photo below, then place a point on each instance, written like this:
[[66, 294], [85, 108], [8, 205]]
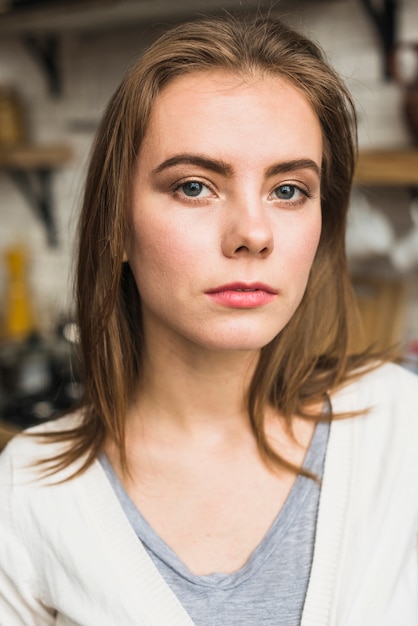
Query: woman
[[231, 462]]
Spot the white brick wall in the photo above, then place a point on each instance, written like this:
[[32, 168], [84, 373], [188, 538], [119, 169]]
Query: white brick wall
[[92, 65]]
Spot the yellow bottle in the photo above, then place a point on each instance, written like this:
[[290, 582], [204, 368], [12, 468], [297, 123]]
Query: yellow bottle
[[19, 319]]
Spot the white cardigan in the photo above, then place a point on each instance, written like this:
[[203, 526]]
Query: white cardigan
[[70, 547]]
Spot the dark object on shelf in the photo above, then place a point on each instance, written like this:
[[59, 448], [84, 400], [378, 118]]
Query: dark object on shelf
[[38, 380]]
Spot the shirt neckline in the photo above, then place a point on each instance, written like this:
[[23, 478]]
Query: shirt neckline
[[294, 502]]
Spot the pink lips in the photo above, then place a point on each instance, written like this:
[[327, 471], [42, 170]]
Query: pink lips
[[242, 295]]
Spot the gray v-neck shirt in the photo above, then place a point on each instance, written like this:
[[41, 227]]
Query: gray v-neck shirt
[[270, 588]]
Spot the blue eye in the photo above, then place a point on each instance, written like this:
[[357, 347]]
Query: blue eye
[[192, 189], [286, 192]]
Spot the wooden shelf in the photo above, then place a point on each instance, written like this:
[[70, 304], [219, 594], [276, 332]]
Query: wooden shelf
[[388, 167], [96, 15], [34, 157]]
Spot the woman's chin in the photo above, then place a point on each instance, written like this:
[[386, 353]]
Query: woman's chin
[[235, 341]]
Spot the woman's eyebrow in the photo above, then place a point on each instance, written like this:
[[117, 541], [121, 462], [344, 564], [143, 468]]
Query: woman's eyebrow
[[296, 164], [214, 165], [220, 167]]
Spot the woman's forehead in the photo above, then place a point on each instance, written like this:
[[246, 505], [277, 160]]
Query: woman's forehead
[[218, 109]]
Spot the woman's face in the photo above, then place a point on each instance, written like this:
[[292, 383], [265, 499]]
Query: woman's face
[[225, 213]]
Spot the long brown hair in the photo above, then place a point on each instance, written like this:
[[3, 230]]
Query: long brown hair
[[311, 355]]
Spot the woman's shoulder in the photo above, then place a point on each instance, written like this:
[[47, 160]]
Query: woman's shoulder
[[380, 384], [392, 374], [383, 404], [21, 459], [32, 496]]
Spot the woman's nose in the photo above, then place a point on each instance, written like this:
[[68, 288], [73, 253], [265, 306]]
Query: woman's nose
[[248, 230]]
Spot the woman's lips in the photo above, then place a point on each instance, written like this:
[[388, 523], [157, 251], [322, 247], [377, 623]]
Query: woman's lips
[[242, 295]]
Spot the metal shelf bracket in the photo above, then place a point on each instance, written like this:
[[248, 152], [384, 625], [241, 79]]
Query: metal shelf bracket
[[36, 187], [385, 21], [45, 50]]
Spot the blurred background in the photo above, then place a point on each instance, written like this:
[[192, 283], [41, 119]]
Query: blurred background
[[60, 61]]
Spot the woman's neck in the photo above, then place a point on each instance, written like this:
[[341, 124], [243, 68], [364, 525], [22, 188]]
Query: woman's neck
[[193, 390]]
